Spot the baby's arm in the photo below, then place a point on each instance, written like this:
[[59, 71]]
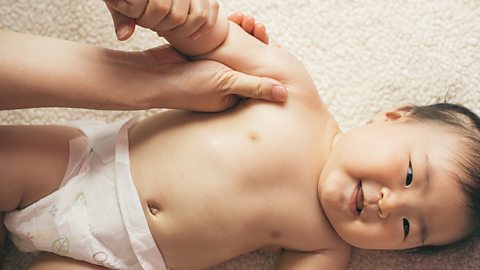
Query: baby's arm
[[229, 44]]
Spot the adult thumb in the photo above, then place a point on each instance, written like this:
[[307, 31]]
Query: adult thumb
[[124, 26], [257, 87]]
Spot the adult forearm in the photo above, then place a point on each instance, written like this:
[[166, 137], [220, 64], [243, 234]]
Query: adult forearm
[[44, 72]]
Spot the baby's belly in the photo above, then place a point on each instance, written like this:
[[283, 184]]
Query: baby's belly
[[186, 154], [194, 170], [189, 153]]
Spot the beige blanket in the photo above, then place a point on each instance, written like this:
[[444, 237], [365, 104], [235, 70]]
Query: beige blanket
[[364, 55]]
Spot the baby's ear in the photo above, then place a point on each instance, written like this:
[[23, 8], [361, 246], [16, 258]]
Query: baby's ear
[[392, 114]]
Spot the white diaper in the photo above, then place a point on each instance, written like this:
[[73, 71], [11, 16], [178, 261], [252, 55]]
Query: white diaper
[[95, 215]]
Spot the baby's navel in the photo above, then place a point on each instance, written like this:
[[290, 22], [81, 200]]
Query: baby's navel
[[154, 210], [253, 135]]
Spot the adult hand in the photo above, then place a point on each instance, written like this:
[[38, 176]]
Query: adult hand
[[210, 86], [176, 18], [121, 81], [202, 85]]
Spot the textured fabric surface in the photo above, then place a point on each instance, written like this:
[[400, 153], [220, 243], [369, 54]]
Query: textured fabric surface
[[364, 55]]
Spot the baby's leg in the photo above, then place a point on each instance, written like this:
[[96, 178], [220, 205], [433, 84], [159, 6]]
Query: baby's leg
[[48, 261], [33, 161]]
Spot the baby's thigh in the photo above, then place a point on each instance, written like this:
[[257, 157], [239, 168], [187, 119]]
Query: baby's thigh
[[48, 261], [33, 161]]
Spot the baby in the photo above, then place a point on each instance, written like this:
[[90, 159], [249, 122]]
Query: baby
[[185, 190]]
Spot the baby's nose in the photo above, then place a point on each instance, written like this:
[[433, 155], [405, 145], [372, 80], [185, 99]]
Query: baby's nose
[[389, 203]]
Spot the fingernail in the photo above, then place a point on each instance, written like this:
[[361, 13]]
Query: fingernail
[[122, 32], [279, 93]]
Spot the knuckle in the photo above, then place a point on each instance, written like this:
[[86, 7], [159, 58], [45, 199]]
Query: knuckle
[[224, 81], [256, 91], [200, 16], [161, 7], [132, 9], [177, 18], [214, 5], [136, 8]]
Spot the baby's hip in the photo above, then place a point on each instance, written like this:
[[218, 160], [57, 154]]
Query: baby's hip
[[90, 216], [81, 220]]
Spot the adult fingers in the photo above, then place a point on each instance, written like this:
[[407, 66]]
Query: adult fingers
[[155, 12], [130, 8], [177, 16], [200, 13], [124, 26], [255, 87], [212, 18]]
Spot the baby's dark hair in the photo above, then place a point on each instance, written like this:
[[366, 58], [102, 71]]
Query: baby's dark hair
[[466, 124]]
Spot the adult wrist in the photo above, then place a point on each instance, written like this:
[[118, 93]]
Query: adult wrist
[[127, 80], [135, 80]]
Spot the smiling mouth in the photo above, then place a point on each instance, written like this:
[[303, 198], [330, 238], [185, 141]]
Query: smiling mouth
[[359, 199]]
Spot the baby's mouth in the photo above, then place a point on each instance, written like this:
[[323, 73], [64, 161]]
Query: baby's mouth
[[359, 201]]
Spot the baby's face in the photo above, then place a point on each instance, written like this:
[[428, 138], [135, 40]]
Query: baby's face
[[392, 185]]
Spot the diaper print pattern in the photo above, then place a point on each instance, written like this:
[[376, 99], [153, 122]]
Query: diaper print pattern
[[61, 246], [81, 200], [53, 210], [30, 237], [101, 258]]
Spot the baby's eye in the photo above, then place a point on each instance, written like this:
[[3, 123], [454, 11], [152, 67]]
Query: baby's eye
[[409, 179], [406, 228]]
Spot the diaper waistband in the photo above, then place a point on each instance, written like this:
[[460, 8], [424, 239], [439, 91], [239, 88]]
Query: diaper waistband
[[133, 216]]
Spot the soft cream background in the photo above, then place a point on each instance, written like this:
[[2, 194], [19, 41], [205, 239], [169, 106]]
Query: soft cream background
[[363, 55]]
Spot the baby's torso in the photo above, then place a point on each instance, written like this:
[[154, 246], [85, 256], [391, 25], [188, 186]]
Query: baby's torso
[[216, 186]]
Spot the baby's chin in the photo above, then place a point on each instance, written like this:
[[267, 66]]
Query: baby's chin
[[378, 245], [351, 238]]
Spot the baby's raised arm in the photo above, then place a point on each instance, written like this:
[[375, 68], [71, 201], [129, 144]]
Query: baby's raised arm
[[229, 44]]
